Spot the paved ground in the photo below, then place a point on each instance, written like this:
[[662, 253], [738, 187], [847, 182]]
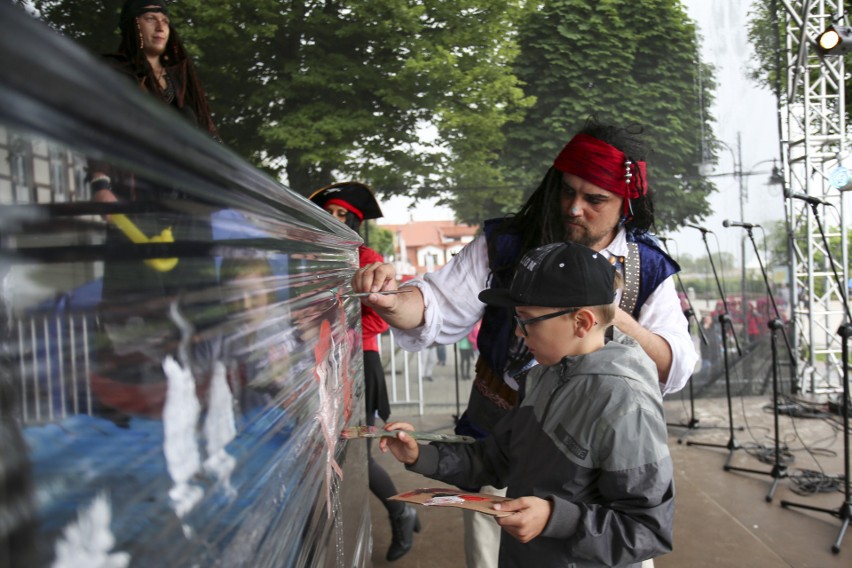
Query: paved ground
[[722, 518]]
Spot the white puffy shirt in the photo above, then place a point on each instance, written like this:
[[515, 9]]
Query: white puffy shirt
[[451, 297]]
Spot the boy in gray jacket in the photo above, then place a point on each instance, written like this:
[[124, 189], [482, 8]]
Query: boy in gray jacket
[[584, 454]]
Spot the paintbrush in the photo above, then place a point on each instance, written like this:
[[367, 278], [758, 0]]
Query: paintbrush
[[381, 293], [374, 432]]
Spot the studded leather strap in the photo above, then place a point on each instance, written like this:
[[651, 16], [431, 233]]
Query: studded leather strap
[[630, 292]]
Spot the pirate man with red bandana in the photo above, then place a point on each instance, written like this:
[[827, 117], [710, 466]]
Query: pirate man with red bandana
[[595, 194]]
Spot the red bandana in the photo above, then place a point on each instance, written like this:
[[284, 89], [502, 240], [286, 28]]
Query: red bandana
[[603, 165], [348, 206]]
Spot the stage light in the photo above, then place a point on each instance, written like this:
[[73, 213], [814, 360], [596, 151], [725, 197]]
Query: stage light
[[835, 40]]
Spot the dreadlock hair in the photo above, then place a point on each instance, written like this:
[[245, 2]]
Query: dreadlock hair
[[189, 93], [540, 222], [352, 221]]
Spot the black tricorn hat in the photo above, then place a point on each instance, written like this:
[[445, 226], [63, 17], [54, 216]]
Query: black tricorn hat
[[353, 196]]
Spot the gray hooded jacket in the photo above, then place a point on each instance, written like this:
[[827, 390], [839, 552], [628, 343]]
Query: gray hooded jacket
[[590, 436]]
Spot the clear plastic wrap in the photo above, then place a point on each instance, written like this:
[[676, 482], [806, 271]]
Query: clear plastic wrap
[[176, 366]]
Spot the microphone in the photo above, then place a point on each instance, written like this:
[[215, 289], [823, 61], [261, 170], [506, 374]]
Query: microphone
[[727, 223], [702, 229], [810, 199]]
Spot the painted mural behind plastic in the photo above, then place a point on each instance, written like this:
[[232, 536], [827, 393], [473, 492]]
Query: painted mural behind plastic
[[176, 368]]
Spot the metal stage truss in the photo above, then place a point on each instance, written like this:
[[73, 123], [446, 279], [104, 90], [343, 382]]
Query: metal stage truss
[[812, 117]]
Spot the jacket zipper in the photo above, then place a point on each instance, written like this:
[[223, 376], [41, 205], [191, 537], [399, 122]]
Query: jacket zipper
[[562, 382]]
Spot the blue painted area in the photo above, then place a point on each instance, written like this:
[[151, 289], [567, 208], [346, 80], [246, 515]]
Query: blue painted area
[[80, 456]]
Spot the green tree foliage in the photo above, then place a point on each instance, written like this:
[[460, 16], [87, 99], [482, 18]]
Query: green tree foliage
[[378, 238], [93, 24], [625, 61], [697, 274], [777, 245], [424, 97], [723, 260], [766, 22], [344, 88]]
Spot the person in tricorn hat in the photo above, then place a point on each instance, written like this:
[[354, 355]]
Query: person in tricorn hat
[[351, 203], [584, 454]]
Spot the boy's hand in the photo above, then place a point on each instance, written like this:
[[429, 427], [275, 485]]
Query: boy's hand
[[404, 448], [530, 518]]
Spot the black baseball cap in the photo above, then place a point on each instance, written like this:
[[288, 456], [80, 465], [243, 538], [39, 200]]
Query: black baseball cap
[[558, 275]]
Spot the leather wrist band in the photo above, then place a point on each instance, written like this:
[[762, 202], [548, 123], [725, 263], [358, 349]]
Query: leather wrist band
[[100, 184]]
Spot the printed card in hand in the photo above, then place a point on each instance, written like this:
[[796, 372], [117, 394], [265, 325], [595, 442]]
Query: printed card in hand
[[449, 497]]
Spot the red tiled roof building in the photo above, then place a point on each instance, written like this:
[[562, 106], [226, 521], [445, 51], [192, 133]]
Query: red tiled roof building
[[422, 246]]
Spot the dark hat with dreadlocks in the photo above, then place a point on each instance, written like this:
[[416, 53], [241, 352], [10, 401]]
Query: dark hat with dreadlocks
[[134, 8], [355, 197]]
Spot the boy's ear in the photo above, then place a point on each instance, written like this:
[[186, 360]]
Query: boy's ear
[[585, 321]]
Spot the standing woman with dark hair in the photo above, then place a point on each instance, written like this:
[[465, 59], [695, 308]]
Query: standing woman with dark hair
[[351, 203], [152, 55]]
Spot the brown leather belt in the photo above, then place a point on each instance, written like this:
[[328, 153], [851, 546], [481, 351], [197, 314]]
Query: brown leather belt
[[493, 387]]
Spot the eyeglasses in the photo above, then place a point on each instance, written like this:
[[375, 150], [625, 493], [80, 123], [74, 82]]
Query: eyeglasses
[[523, 323]]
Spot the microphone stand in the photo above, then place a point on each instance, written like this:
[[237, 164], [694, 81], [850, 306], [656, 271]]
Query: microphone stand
[[457, 415], [844, 512], [726, 323], [693, 423], [779, 469]]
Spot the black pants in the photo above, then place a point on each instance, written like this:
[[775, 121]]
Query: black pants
[[376, 398]]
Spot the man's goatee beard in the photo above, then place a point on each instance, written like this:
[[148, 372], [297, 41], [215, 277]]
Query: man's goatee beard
[[582, 238]]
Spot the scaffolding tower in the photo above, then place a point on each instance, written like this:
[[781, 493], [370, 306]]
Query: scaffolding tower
[[812, 118]]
